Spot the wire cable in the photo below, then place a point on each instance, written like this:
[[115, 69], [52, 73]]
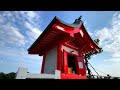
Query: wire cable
[[101, 71], [93, 68]]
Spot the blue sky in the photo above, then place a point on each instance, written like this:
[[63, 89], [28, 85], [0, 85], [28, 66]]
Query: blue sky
[[19, 29]]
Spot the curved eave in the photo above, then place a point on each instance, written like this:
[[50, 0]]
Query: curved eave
[[50, 25], [91, 38], [43, 33]]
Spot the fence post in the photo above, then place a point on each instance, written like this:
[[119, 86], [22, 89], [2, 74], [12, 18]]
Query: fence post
[[57, 74], [21, 73]]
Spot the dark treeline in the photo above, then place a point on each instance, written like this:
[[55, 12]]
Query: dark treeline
[[10, 75]]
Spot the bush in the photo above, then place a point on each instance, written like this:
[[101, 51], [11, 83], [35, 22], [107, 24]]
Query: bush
[[7, 76], [2, 75]]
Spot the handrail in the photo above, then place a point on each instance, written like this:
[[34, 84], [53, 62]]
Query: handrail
[[101, 77]]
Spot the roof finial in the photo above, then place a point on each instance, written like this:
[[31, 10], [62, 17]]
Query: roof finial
[[78, 20], [80, 17]]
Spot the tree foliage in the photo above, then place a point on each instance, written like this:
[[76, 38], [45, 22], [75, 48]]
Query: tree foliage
[[7, 76]]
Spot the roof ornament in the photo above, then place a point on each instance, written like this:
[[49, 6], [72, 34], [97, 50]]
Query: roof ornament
[[77, 21], [80, 17], [97, 41]]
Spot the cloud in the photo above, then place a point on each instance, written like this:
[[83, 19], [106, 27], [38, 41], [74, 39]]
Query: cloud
[[90, 33], [115, 14], [110, 42], [2, 19], [29, 14], [7, 13], [15, 39], [12, 25], [110, 38], [34, 32], [102, 34], [85, 22], [33, 17], [31, 21], [11, 35]]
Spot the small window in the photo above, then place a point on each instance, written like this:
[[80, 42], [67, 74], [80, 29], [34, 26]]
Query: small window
[[81, 65]]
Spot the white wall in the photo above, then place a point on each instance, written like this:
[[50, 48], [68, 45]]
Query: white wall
[[51, 61], [69, 50]]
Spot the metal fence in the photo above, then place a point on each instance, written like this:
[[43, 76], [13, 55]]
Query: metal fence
[[101, 77]]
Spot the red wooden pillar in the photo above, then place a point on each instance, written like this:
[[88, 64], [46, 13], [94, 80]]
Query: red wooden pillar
[[81, 59], [65, 59], [59, 58], [77, 65]]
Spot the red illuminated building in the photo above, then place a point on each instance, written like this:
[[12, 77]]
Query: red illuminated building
[[63, 46]]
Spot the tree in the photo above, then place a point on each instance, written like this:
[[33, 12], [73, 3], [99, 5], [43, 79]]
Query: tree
[[10, 75], [2, 75], [7, 76]]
